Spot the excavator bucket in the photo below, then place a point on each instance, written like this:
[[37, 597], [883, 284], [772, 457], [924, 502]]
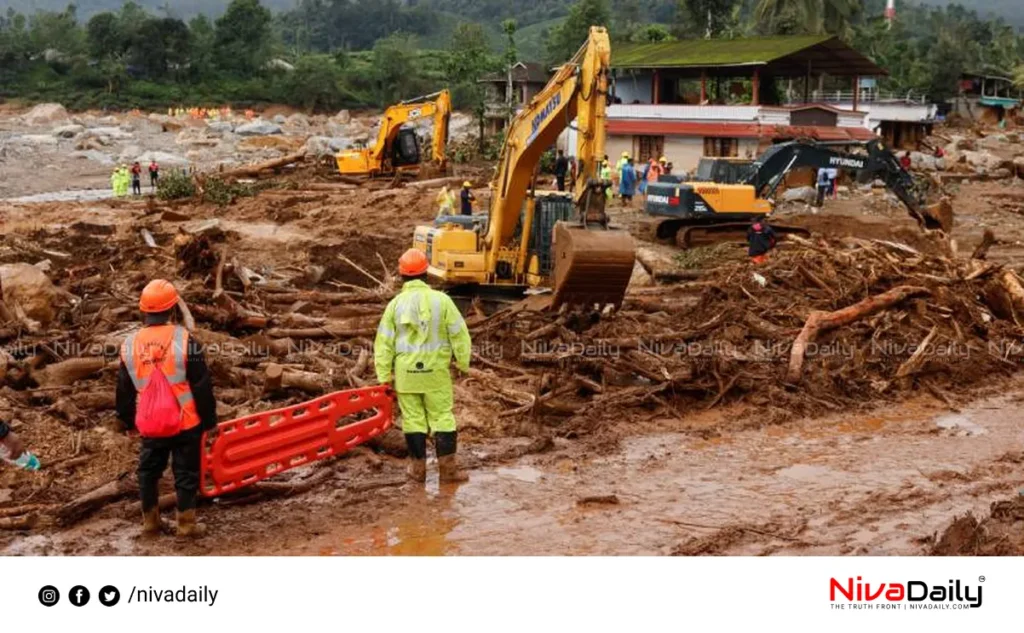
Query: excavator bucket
[[592, 266]]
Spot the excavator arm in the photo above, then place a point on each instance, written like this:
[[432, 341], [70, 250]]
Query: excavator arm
[[873, 160], [592, 264]]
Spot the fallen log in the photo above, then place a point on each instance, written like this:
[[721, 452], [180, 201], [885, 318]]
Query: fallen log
[[253, 171], [68, 372], [277, 377], [916, 361], [26, 522], [288, 489], [78, 509], [819, 322], [329, 298], [329, 330], [435, 182], [15, 511]]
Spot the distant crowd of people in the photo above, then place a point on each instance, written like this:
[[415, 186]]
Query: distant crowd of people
[[627, 177]]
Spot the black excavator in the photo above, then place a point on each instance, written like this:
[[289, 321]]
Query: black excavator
[[686, 212]]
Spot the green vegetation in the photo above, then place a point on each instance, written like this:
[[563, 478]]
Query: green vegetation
[[328, 54]]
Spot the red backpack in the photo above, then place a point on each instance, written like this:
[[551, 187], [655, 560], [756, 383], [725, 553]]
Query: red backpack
[[158, 413]]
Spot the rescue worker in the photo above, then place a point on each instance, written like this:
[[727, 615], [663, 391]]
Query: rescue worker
[[154, 174], [561, 169], [627, 182], [467, 198], [136, 175], [180, 358], [115, 180], [760, 240], [419, 333], [655, 169], [606, 177], [824, 184], [445, 202]]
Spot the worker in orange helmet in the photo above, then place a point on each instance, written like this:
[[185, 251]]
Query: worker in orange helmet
[[165, 392], [419, 333]]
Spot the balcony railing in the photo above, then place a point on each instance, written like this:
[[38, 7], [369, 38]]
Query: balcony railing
[[866, 96]]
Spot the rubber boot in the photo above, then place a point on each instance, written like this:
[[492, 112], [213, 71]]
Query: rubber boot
[[151, 522], [188, 526], [417, 445], [447, 466]]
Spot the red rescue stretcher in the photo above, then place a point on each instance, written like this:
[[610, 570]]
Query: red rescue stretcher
[[261, 445]]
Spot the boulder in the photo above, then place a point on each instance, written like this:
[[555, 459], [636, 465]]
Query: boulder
[[996, 141], [68, 131], [326, 145], [45, 114], [342, 117], [29, 287], [93, 155], [258, 128], [297, 120], [985, 160], [280, 120], [162, 158], [196, 136], [923, 162], [113, 133], [36, 140], [91, 143], [800, 194], [220, 127]]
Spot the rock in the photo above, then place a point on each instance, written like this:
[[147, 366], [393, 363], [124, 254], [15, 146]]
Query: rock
[[1000, 174], [640, 277], [90, 143], [162, 158], [923, 162], [129, 153], [1018, 166], [1013, 137], [996, 141], [461, 126], [343, 117], [325, 145], [986, 160], [280, 120], [93, 155], [220, 127], [800, 194], [865, 188], [842, 190], [204, 227], [961, 143], [112, 133], [280, 64], [196, 136], [35, 140], [68, 131], [297, 120], [258, 128], [27, 286], [45, 114]]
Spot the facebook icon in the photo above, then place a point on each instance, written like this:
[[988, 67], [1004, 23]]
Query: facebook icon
[[79, 596]]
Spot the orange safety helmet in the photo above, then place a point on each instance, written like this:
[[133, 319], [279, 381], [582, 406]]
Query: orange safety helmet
[[412, 263], [159, 295]]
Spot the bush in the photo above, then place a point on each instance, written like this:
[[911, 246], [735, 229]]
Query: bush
[[175, 185]]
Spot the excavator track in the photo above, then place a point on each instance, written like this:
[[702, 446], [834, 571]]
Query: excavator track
[[592, 266]]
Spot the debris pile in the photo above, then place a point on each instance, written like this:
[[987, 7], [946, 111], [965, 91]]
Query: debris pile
[[999, 534], [823, 327]]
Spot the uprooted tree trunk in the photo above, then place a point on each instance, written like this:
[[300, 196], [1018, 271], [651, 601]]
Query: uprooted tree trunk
[[819, 322], [77, 509], [252, 171], [68, 372]]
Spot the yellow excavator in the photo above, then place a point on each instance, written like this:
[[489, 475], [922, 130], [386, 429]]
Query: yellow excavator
[[532, 239], [397, 149]]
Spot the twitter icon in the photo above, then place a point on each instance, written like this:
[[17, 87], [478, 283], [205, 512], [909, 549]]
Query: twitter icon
[[109, 596]]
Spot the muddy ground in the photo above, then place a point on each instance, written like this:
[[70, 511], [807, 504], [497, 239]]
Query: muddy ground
[[640, 455]]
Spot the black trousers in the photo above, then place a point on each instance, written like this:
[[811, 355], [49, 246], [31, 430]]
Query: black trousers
[[137, 186], [184, 449], [560, 181]]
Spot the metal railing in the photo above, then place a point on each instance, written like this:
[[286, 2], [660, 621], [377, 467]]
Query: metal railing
[[866, 96]]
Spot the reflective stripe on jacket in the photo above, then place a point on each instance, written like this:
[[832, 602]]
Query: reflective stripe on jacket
[[419, 333], [168, 344]]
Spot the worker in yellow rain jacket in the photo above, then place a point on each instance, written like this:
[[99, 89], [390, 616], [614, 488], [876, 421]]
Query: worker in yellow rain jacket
[[420, 331]]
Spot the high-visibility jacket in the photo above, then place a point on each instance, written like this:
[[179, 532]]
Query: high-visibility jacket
[[420, 331], [168, 345], [654, 171]]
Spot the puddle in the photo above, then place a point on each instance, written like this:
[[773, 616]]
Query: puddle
[[528, 474], [960, 425], [75, 195]]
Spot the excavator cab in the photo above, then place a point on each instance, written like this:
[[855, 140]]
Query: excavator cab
[[406, 148]]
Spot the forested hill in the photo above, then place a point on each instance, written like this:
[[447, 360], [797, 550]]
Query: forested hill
[[526, 12]]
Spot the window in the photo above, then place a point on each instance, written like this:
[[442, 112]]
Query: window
[[724, 147], [648, 147]]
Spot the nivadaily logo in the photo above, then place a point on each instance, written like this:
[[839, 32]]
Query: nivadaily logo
[[914, 594]]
